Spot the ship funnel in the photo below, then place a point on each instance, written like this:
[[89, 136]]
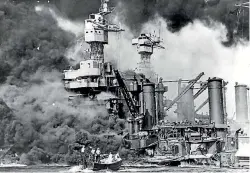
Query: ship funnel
[[241, 102]]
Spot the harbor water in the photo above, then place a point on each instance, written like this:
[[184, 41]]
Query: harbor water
[[45, 169]]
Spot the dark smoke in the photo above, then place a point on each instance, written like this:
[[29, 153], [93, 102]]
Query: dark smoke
[[28, 42], [177, 13], [37, 121]]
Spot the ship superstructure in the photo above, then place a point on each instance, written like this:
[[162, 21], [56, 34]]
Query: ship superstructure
[[147, 123], [146, 43], [94, 75]]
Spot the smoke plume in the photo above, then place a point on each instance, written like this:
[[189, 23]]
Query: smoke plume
[[37, 119], [194, 49], [180, 13]]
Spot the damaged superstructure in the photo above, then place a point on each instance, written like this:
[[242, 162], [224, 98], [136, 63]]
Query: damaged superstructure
[[187, 142], [94, 75]]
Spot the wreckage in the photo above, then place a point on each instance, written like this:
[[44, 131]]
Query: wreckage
[[192, 141]]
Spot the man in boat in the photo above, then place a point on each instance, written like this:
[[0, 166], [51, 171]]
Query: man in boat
[[97, 153], [93, 154], [110, 158], [117, 157], [151, 152], [84, 157]]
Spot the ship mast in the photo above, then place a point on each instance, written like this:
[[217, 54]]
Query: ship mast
[[94, 75], [96, 31], [145, 46]]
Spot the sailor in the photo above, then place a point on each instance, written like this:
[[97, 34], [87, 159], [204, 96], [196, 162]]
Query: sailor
[[97, 152], [93, 154], [110, 158], [105, 5], [84, 158], [117, 157], [148, 152], [83, 149], [151, 153]]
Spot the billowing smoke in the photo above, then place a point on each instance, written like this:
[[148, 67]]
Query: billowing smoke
[[38, 121], [180, 13], [194, 49]]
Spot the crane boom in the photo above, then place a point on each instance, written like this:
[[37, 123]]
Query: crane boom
[[127, 96], [177, 81], [202, 89], [190, 85]]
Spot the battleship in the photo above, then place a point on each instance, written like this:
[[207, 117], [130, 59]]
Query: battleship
[[192, 141]]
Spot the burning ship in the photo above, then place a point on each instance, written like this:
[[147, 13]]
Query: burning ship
[[203, 140]]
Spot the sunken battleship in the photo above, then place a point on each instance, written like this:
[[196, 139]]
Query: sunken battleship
[[195, 139]]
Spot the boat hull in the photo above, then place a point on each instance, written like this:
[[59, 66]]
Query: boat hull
[[112, 166]]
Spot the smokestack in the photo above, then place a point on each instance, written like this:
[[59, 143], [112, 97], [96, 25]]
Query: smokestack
[[241, 102], [149, 102], [187, 108], [160, 90], [215, 97]]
